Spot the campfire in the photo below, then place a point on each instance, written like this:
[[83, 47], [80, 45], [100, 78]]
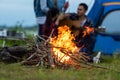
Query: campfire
[[64, 40], [59, 51]]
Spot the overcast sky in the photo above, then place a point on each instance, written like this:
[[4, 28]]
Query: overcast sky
[[14, 11]]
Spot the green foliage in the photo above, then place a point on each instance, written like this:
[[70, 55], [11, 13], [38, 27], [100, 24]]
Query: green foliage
[[12, 42], [116, 55]]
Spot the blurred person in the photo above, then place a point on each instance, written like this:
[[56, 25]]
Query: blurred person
[[80, 22], [41, 8], [83, 21], [52, 20]]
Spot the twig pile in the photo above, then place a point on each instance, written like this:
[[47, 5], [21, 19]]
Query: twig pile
[[42, 55]]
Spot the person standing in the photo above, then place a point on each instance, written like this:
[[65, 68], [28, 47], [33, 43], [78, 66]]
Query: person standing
[[41, 8]]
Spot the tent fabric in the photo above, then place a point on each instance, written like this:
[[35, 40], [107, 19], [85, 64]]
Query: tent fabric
[[97, 14], [108, 9], [98, 11]]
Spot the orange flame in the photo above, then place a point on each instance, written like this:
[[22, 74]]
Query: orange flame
[[88, 30], [63, 40]]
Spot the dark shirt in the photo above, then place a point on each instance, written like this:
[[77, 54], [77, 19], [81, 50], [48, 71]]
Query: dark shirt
[[87, 41], [48, 32]]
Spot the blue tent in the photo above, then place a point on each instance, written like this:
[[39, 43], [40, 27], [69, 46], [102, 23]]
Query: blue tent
[[108, 42]]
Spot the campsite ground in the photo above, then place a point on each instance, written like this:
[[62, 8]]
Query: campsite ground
[[15, 71]]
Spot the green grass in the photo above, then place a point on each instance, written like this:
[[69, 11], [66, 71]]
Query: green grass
[[12, 42], [15, 71]]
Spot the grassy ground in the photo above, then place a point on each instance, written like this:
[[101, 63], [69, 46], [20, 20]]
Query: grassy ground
[[15, 71], [12, 42]]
